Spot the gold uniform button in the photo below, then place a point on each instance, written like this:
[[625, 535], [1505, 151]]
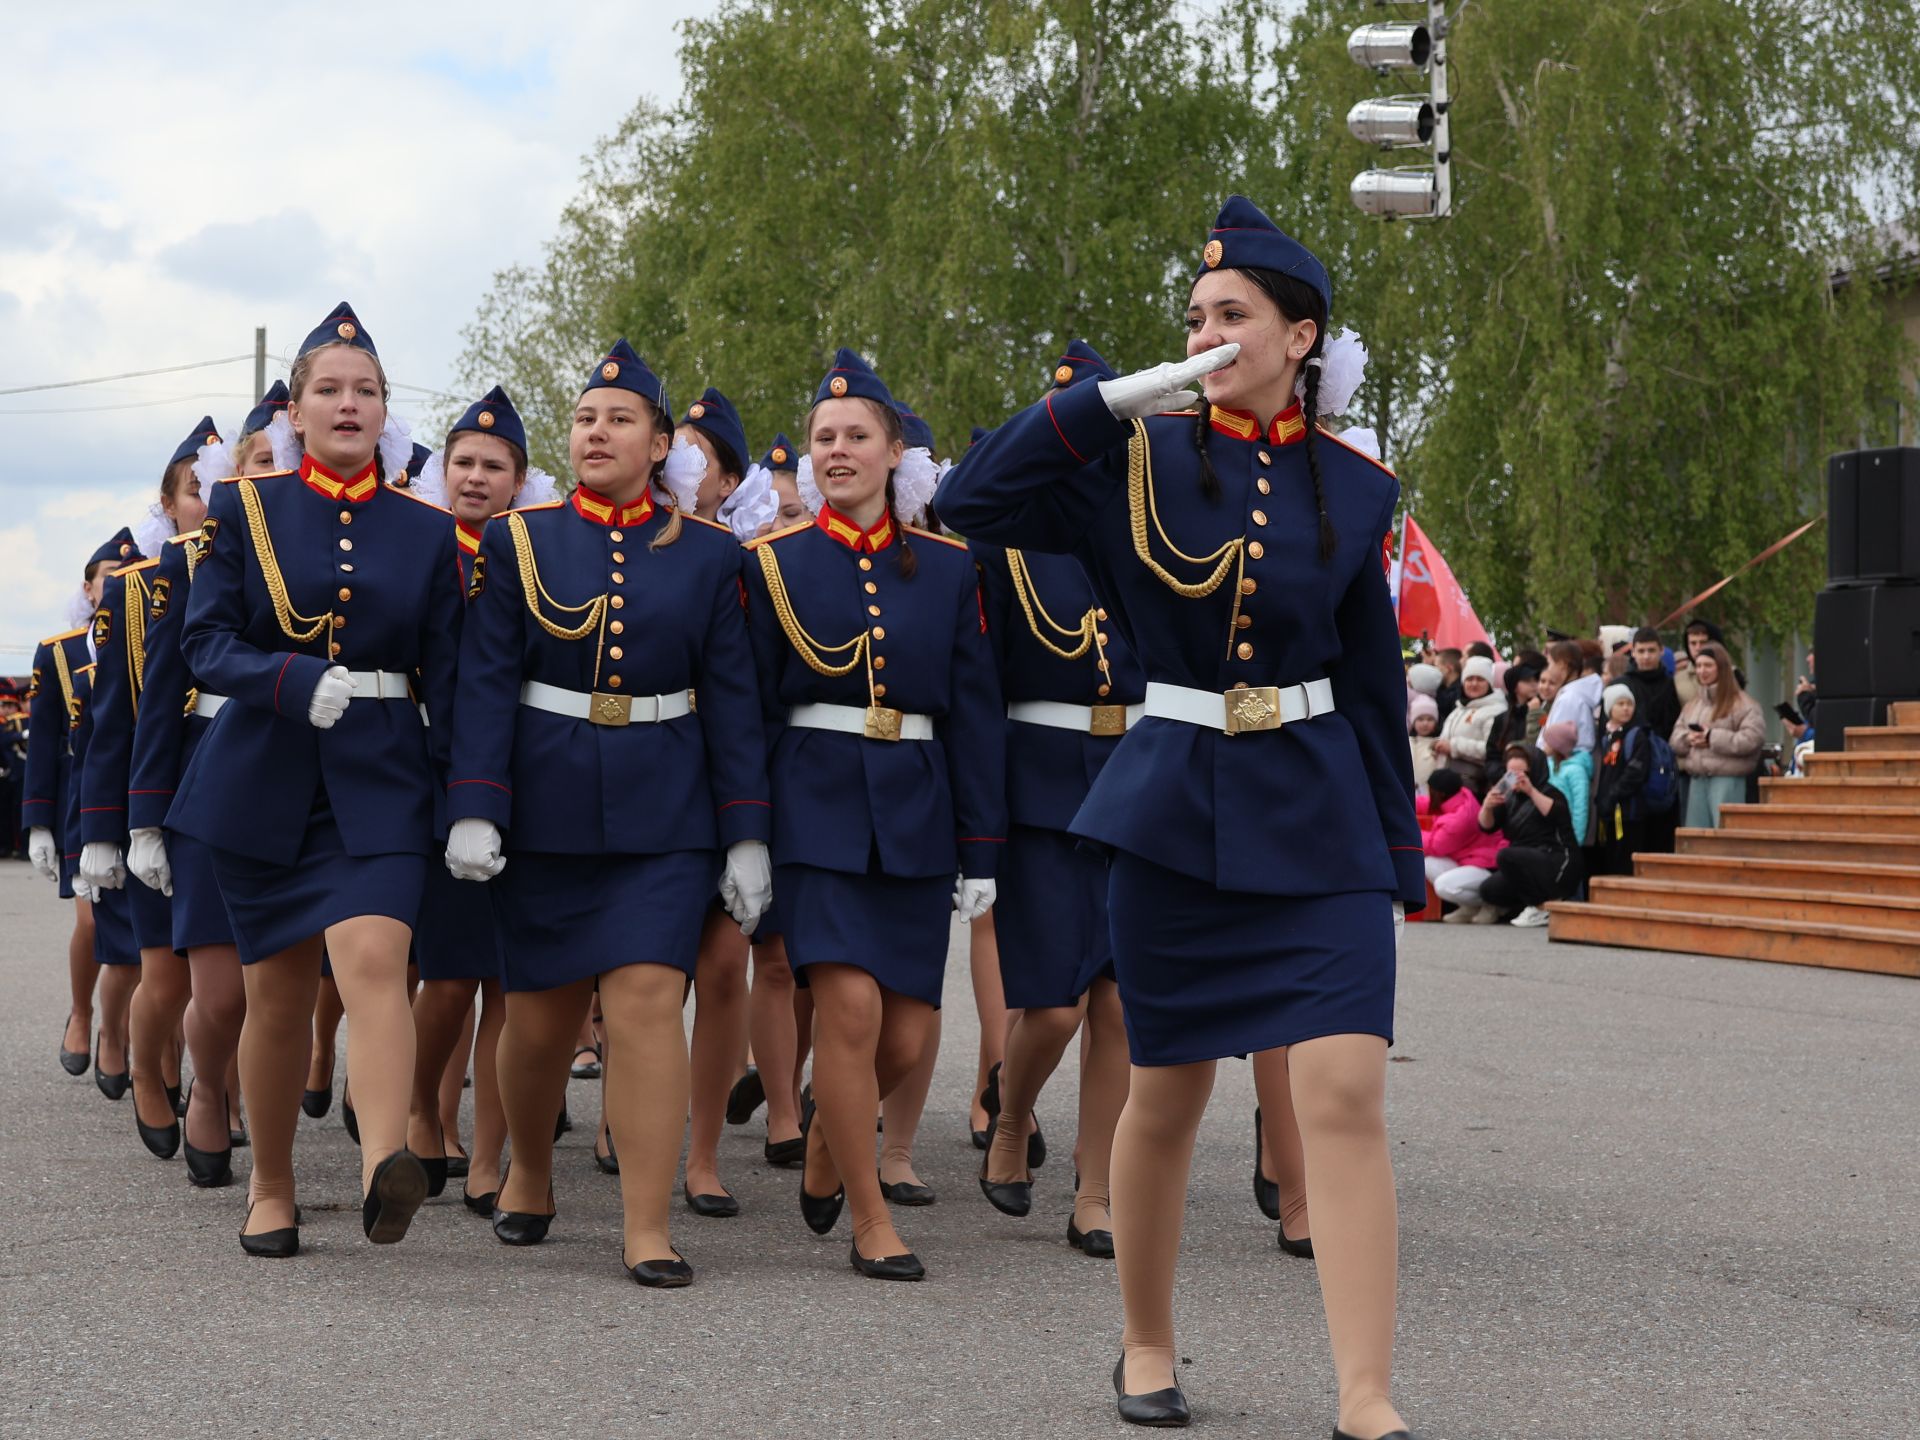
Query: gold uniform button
[[865, 564], [618, 558], [873, 609], [345, 593], [879, 632], [1265, 458], [879, 692], [1239, 684], [1259, 517], [616, 537], [1100, 637], [1100, 615], [347, 566], [1263, 485], [618, 578], [613, 682], [1244, 650], [334, 648], [619, 627], [1105, 689], [871, 588], [346, 517], [1256, 550], [345, 544], [1248, 585], [1105, 666], [879, 662], [339, 622], [619, 602], [837, 386], [1243, 622], [615, 653]]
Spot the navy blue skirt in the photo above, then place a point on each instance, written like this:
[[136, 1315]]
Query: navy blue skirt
[[274, 906], [564, 918], [199, 914], [152, 916], [1205, 973], [1050, 918], [113, 942], [457, 938], [894, 929]]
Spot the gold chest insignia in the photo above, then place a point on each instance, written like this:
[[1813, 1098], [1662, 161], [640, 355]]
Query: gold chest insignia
[[102, 627], [477, 577], [162, 597]]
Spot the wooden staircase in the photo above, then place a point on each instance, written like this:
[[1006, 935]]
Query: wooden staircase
[[1825, 870]]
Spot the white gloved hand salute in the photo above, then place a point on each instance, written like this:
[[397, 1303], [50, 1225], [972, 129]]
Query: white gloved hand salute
[[473, 850], [147, 859], [1164, 387], [973, 898], [40, 852], [102, 865], [330, 698], [746, 888]]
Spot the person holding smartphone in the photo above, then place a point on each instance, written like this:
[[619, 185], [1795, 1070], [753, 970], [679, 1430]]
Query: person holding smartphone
[[1542, 858]]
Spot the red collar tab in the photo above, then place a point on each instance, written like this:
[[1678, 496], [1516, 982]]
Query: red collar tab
[[323, 481], [596, 507], [467, 536], [1288, 427], [851, 535]]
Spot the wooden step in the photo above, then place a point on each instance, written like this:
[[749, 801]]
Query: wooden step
[[1787, 942], [1901, 820], [1867, 764], [1841, 790], [1872, 739], [1904, 712], [1746, 872], [1804, 845], [1880, 912]]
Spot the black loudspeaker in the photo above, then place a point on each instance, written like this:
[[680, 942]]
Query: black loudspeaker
[[1866, 640], [1873, 515], [1832, 717]]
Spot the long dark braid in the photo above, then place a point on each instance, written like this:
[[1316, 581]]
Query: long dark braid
[[1309, 413], [1202, 427]]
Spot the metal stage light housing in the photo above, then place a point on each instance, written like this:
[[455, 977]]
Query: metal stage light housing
[[1409, 194], [1399, 122], [1397, 46]]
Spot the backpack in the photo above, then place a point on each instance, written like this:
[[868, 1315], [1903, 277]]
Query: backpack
[[1662, 790]]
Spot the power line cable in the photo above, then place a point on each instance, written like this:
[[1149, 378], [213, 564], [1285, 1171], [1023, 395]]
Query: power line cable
[[126, 375]]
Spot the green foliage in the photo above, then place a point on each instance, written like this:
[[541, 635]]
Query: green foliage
[[1608, 379]]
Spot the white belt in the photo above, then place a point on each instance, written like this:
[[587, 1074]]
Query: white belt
[[876, 722], [1087, 719], [207, 706], [367, 685], [604, 707], [1265, 707]]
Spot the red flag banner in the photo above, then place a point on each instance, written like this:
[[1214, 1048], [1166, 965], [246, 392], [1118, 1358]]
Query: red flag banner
[[1431, 600]]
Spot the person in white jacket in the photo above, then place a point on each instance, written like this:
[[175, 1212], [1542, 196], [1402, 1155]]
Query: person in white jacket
[[1462, 745]]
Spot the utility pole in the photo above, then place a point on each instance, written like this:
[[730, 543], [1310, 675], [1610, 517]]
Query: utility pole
[[259, 361]]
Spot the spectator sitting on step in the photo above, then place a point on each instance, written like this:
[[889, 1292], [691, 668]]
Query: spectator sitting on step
[[1423, 728], [1542, 858], [1656, 704], [1460, 855], [1570, 771], [1576, 691], [1623, 759], [1716, 742], [1463, 737]]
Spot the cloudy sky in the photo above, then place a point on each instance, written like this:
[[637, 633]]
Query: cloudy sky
[[177, 176]]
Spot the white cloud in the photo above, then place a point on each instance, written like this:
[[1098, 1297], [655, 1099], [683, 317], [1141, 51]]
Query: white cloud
[[175, 178]]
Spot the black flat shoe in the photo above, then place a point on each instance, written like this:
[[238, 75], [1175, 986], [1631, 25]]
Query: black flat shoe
[[786, 1152], [479, 1204], [457, 1166], [1166, 1408], [889, 1267], [609, 1163], [162, 1141], [238, 1138], [990, 1097], [399, 1189], [271, 1244], [350, 1119], [1339, 1434], [1096, 1243], [74, 1062], [819, 1211], [1299, 1249], [177, 1098], [749, 1093], [316, 1103], [674, 1274], [905, 1192], [979, 1139], [586, 1069], [436, 1169], [1266, 1193], [563, 1124], [209, 1169], [114, 1087], [522, 1227], [708, 1207], [1009, 1197], [1036, 1147]]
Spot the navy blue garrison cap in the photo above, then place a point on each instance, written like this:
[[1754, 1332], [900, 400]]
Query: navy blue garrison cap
[[201, 434], [624, 370], [1245, 239], [1081, 362], [852, 377], [120, 550], [714, 413], [980, 432], [491, 414], [271, 404], [342, 327], [417, 461], [914, 430], [781, 455]]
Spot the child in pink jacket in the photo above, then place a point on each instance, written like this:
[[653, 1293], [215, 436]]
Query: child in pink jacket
[[1459, 853]]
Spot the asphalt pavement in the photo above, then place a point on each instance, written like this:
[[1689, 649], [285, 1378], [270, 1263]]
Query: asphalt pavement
[[1641, 1195]]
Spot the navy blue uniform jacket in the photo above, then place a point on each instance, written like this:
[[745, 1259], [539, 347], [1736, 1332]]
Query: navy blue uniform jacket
[[924, 807], [1324, 806], [370, 572], [670, 621], [165, 735], [53, 709], [119, 638]]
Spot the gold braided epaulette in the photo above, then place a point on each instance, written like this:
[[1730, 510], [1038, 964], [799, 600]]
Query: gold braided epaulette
[[915, 530], [701, 520], [795, 529], [1373, 460], [266, 475], [55, 640], [529, 509]]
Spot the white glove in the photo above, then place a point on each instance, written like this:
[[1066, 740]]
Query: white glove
[[1399, 928], [147, 859], [330, 698], [82, 890], [473, 850], [746, 887], [1163, 388], [103, 865], [40, 851], [973, 898]]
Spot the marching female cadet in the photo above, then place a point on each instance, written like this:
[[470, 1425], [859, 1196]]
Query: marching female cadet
[[887, 772], [119, 637], [1261, 814], [589, 622], [322, 593], [173, 719], [1072, 688], [482, 472]]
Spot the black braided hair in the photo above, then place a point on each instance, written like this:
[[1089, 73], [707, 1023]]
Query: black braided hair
[[1203, 423], [1309, 413], [908, 563]]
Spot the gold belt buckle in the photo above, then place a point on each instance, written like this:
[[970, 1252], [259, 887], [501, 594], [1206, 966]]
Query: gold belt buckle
[[1257, 708], [606, 709], [882, 723], [1108, 720]]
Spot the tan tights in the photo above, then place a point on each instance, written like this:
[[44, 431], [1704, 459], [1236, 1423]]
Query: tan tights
[[1280, 1153], [866, 1040], [990, 1003], [213, 1022], [1339, 1095], [117, 986], [443, 1011], [776, 1036], [153, 1020], [900, 1112], [83, 972], [719, 1045]]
